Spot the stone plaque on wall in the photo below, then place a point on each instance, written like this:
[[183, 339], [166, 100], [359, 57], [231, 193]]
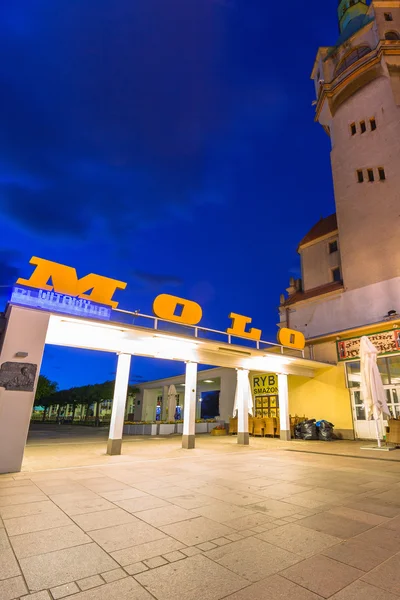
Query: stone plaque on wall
[[18, 376]]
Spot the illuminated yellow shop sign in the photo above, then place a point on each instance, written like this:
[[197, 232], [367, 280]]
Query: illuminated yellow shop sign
[[265, 384], [59, 286]]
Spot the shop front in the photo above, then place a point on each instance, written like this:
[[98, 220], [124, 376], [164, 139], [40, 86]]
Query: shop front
[[388, 346], [266, 395]]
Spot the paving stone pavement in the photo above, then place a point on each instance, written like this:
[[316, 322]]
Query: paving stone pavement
[[209, 524]]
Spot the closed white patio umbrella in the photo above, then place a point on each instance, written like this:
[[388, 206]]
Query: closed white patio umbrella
[[243, 386], [372, 390], [171, 402]]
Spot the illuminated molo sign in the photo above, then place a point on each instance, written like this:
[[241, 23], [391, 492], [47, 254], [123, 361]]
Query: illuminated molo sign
[[70, 294], [187, 312]]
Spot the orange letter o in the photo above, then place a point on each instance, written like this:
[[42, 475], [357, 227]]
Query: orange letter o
[[291, 338], [164, 307]]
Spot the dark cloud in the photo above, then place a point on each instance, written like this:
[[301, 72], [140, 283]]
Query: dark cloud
[[8, 272], [156, 281]]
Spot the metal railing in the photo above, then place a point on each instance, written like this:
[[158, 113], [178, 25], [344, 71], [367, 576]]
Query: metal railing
[[197, 332]]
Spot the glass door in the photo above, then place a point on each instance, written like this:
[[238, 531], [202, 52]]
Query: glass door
[[393, 401], [364, 429], [262, 407], [267, 406]]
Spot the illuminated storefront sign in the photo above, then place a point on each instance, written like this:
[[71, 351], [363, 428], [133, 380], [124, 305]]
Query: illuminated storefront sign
[[386, 342], [63, 303], [264, 384], [92, 296]]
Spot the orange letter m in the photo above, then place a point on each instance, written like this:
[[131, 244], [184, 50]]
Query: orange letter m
[[65, 281]]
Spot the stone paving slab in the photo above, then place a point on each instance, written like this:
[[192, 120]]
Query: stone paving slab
[[298, 539], [359, 554], [140, 552], [124, 536], [50, 520], [103, 519], [253, 558], [12, 588], [64, 566], [322, 575], [191, 579], [41, 542], [275, 588], [195, 531]]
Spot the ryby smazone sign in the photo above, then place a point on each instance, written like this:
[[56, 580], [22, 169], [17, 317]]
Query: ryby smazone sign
[[57, 288], [386, 342]]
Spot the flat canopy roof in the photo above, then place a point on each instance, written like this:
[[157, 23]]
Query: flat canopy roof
[[91, 334]]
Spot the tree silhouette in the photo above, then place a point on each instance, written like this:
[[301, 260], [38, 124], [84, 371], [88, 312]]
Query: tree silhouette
[[86, 396]]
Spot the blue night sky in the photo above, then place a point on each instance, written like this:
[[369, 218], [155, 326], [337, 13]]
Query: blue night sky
[[169, 144]]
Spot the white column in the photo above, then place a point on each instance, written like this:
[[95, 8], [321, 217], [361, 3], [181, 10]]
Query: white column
[[118, 406], [284, 406], [243, 402], [189, 413]]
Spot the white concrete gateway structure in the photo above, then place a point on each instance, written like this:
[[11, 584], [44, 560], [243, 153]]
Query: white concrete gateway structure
[[28, 330]]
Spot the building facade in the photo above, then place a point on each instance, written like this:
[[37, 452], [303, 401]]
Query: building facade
[[350, 261]]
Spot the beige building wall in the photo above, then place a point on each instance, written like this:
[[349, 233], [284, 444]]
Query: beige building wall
[[317, 263], [340, 310], [368, 213]]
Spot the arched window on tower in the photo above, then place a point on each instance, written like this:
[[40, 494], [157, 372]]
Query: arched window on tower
[[392, 35], [351, 58]]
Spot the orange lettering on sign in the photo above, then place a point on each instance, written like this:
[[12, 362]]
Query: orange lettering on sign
[[291, 338], [64, 280], [238, 328], [166, 306]]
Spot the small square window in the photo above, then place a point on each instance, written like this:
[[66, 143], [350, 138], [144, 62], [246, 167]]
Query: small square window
[[363, 127], [336, 274], [333, 247], [370, 175], [353, 129], [373, 124], [388, 17], [360, 176], [382, 174]]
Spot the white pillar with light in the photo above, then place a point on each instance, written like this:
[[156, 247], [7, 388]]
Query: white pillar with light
[[118, 407], [189, 413], [284, 406], [242, 404]]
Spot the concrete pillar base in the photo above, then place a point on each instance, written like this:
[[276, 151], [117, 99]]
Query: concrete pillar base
[[114, 447], [286, 435], [188, 442], [243, 439]]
